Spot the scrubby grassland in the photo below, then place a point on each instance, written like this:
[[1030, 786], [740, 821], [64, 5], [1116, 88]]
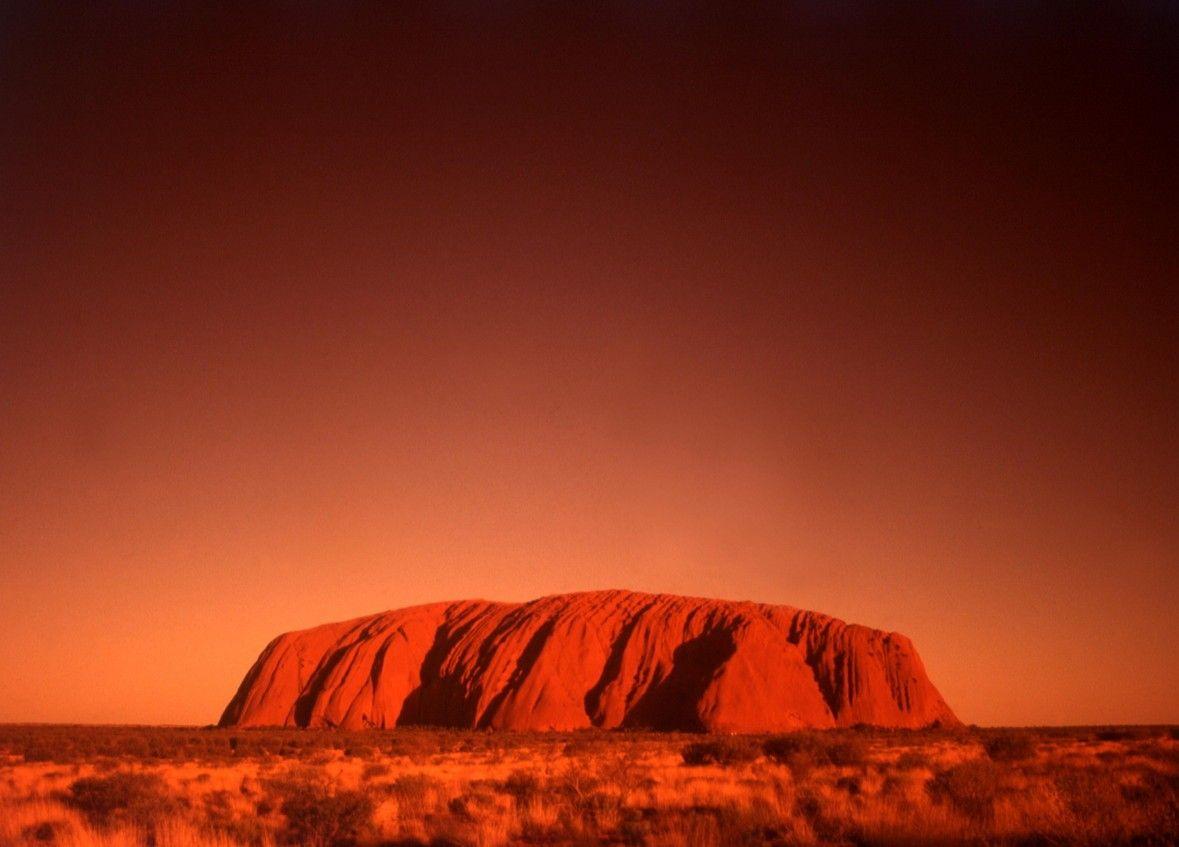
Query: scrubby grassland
[[170, 787]]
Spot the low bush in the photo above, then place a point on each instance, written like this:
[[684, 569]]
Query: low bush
[[971, 787], [1090, 793], [45, 832], [321, 817], [1122, 733], [122, 797], [783, 748], [912, 760], [802, 752], [414, 794], [849, 750], [1010, 746], [522, 785], [805, 750], [851, 784], [373, 770], [721, 751]]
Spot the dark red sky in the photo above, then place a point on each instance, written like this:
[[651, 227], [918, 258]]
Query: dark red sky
[[307, 314]]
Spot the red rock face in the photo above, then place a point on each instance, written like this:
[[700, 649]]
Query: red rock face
[[599, 659]]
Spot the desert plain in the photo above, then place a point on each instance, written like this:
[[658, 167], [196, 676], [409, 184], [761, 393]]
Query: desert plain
[[86, 786]]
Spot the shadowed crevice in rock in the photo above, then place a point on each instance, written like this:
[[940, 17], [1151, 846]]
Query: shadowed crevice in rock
[[306, 702], [613, 666], [524, 666], [672, 703], [440, 700]]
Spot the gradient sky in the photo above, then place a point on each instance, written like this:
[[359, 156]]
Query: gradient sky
[[315, 313]]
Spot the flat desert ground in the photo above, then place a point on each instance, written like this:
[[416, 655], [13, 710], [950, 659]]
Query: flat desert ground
[[78, 786]]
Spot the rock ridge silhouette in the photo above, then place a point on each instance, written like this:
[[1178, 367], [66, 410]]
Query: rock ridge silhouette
[[606, 659]]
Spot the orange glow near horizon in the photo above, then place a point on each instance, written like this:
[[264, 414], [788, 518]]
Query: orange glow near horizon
[[309, 319]]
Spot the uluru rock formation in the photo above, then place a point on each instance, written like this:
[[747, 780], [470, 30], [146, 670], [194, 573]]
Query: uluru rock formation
[[596, 659]]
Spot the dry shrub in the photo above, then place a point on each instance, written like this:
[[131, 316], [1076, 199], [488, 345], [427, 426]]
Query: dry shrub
[[413, 793], [44, 832], [781, 748], [373, 770], [320, 812], [620, 773], [177, 832], [221, 818], [1088, 792], [720, 751], [853, 785], [1010, 746], [577, 786], [320, 817], [804, 751], [1160, 793], [414, 746], [912, 760], [1123, 733], [1166, 755], [829, 823], [712, 826], [361, 751], [138, 799], [847, 751], [1107, 810], [579, 748], [522, 785], [971, 787]]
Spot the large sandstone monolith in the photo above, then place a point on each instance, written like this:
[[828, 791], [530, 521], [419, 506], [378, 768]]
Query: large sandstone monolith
[[596, 659]]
